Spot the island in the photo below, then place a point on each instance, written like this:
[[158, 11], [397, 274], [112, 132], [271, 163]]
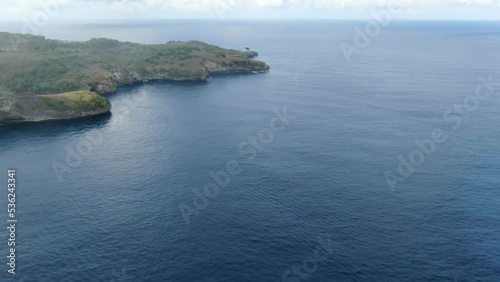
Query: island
[[44, 79]]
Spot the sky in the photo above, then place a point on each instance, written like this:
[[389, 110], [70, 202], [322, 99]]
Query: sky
[[43, 10]]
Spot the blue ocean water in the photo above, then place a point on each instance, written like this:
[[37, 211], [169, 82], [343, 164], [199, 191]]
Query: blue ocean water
[[99, 199]]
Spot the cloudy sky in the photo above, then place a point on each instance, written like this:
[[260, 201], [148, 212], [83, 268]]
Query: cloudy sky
[[243, 9]]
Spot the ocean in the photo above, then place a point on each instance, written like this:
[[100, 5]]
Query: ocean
[[382, 165]]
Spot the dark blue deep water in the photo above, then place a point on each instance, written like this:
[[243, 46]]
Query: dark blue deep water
[[309, 200]]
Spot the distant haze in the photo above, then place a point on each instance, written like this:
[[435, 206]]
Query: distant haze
[[245, 9]]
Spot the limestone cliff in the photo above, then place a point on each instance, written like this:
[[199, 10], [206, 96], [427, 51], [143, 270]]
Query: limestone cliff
[[52, 107], [35, 68]]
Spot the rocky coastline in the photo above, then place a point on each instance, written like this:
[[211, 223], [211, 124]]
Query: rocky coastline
[[33, 73]]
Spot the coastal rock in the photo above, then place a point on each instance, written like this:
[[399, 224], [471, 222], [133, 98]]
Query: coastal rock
[[122, 77], [125, 77], [52, 107], [213, 67], [103, 88], [40, 67]]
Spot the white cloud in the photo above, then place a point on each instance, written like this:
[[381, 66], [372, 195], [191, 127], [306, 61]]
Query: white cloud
[[16, 10]]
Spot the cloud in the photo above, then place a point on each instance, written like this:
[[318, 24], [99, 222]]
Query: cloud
[[406, 3], [17, 10]]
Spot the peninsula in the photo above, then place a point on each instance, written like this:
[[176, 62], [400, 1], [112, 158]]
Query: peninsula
[[43, 79]]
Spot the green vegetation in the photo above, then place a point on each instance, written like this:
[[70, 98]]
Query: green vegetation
[[34, 70], [33, 65], [55, 106], [4, 92], [78, 101]]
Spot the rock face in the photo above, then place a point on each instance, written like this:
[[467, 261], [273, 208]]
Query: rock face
[[213, 67], [39, 67], [121, 77], [78, 104], [52, 107], [7, 115]]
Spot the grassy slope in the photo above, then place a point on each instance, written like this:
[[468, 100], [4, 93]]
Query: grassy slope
[[78, 101], [58, 106]]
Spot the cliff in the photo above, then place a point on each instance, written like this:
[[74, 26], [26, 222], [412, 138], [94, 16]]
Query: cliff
[[52, 107], [126, 76], [33, 69]]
